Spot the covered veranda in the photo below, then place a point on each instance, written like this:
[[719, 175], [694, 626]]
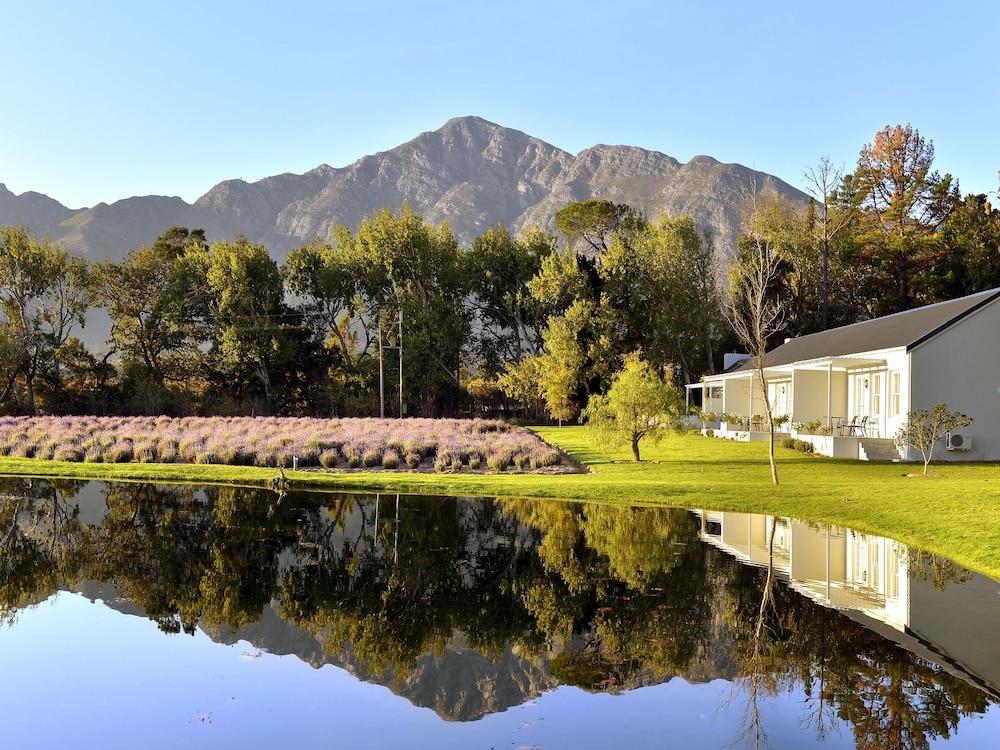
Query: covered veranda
[[809, 399]]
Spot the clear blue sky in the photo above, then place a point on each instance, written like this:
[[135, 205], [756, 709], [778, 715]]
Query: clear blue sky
[[108, 99]]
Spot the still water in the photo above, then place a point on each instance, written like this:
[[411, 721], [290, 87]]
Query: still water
[[136, 615]]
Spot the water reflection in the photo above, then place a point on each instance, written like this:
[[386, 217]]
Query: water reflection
[[471, 606]]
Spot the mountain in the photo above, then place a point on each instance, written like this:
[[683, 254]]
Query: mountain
[[470, 172]]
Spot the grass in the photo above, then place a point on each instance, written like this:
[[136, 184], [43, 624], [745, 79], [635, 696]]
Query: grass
[[954, 513]]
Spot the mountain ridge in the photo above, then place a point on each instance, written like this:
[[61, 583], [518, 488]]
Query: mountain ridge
[[470, 172]]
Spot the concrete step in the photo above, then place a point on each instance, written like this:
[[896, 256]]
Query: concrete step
[[878, 449]]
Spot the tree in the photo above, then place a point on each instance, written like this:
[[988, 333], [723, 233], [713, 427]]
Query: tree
[[149, 296], [596, 221], [753, 309], [823, 180], [44, 294], [970, 257], [560, 366], [662, 286], [510, 317], [414, 269], [638, 405], [902, 204], [247, 302], [923, 430]]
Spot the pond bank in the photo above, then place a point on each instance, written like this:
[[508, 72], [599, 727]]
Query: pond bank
[[955, 514]]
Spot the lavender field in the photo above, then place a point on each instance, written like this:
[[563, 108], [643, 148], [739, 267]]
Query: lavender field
[[411, 444]]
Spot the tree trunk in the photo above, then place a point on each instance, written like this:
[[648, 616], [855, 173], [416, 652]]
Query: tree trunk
[[770, 419], [29, 388], [635, 449], [826, 282], [770, 455]]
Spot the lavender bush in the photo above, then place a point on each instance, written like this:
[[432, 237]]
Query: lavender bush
[[445, 444]]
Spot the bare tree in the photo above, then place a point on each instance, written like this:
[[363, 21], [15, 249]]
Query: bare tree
[[753, 308], [821, 181]]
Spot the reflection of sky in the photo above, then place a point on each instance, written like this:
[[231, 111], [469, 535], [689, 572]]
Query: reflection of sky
[[80, 674]]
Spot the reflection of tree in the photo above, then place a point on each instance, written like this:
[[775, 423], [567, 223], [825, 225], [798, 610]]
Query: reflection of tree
[[39, 539], [610, 597]]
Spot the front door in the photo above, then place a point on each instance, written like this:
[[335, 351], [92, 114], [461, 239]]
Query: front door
[[862, 388]]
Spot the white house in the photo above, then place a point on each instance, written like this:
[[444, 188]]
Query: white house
[[847, 390]]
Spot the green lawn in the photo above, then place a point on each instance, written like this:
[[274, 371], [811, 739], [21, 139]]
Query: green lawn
[[955, 513]]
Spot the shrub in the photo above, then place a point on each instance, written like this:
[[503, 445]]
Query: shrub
[[67, 453], [328, 459], [119, 453], [390, 459], [371, 457], [498, 461], [475, 461], [413, 460], [802, 446]]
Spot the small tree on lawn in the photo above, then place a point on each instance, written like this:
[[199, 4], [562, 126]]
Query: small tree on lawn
[[753, 308], [638, 405], [923, 430]]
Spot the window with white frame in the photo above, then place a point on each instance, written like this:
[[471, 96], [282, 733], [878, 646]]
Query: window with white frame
[[876, 394], [894, 380]]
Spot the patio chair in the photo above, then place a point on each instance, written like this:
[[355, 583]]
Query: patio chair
[[862, 427], [847, 428]]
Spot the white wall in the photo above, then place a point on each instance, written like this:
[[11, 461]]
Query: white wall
[[809, 395], [961, 368]]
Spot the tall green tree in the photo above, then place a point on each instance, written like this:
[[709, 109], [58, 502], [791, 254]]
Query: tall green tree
[[510, 319], [247, 293], [155, 299], [44, 295], [418, 271], [594, 222]]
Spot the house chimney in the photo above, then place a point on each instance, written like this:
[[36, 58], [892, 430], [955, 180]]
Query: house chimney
[[733, 358]]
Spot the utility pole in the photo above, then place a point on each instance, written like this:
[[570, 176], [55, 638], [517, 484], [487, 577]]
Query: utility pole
[[401, 362]]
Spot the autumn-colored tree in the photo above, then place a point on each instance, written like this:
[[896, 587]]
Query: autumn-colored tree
[[903, 202]]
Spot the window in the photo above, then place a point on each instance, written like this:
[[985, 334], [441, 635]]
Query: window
[[877, 394], [892, 572], [894, 393]]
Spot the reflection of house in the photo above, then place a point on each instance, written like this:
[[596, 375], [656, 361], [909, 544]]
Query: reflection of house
[[879, 583], [858, 382]]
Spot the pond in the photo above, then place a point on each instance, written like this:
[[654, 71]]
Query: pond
[[179, 616]]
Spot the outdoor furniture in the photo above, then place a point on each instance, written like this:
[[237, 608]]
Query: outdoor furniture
[[862, 428], [849, 427]]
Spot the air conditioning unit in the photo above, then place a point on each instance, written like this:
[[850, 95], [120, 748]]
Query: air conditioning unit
[[959, 441]]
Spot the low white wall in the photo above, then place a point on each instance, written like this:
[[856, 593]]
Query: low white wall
[[833, 446]]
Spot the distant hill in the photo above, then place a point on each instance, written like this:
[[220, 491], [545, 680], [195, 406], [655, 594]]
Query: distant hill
[[470, 172]]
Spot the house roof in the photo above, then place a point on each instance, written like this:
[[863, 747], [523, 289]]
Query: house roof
[[909, 328]]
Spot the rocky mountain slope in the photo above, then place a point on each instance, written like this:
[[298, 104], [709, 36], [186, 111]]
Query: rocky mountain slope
[[470, 172]]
